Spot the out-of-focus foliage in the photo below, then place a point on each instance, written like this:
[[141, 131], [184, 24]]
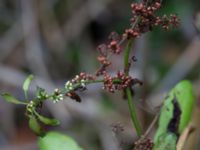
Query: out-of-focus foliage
[[55, 140]]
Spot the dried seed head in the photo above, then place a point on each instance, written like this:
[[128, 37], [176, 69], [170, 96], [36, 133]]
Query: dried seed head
[[143, 144], [114, 47]]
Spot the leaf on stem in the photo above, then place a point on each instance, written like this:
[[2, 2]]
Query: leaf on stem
[[34, 125], [11, 99], [47, 121], [26, 85]]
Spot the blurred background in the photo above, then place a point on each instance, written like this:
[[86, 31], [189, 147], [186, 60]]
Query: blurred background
[[56, 39]]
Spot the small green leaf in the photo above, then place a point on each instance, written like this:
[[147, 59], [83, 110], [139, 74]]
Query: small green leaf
[[11, 99], [26, 85], [55, 140], [34, 125], [47, 121]]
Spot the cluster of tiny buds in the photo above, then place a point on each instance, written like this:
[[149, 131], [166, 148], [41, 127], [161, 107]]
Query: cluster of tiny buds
[[42, 95], [142, 21], [30, 107], [69, 85], [108, 83], [131, 33], [126, 81], [79, 82], [114, 47], [123, 81], [144, 10], [143, 144], [103, 60], [148, 19], [57, 96], [82, 77]]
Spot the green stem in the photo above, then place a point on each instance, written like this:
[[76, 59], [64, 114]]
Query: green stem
[[126, 56], [132, 108], [87, 82]]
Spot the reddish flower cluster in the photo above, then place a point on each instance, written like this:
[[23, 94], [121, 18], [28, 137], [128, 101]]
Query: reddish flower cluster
[[143, 144], [83, 77], [142, 9], [103, 60], [108, 83], [142, 21], [148, 19], [131, 33], [112, 48], [125, 81], [120, 82], [114, 45]]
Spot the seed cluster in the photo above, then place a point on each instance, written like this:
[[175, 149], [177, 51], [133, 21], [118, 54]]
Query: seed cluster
[[143, 19], [126, 81], [81, 79], [113, 47], [119, 82], [143, 144], [108, 83], [147, 19], [78, 83]]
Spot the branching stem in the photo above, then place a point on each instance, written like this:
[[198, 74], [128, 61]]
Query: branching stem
[[131, 105]]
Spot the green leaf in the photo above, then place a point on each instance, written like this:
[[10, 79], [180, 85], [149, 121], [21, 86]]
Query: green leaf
[[186, 98], [34, 125], [11, 99], [26, 85], [166, 142], [55, 140], [47, 121], [175, 114]]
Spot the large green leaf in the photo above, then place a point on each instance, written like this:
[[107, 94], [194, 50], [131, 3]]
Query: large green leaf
[[26, 85], [11, 99], [175, 115], [166, 142], [57, 141]]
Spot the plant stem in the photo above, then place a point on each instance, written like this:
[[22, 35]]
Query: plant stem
[[132, 108], [76, 85], [133, 113], [126, 56]]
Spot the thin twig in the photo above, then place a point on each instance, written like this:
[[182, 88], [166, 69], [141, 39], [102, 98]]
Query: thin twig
[[151, 126]]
